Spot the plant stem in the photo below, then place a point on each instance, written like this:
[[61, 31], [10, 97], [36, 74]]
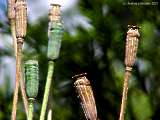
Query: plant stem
[[132, 39], [22, 86], [124, 96], [49, 117], [18, 77], [47, 89], [11, 17], [19, 13], [31, 110], [23, 92], [13, 32]]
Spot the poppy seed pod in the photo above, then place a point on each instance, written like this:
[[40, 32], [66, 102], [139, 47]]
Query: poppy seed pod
[[85, 93], [31, 77], [11, 11], [55, 13], [132, 40], [21, 18], [55, 31], [131, 45], [55, 36]]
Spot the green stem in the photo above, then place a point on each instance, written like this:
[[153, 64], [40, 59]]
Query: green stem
[[31, 109], [47, 88]]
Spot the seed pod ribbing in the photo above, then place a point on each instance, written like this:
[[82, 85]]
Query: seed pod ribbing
[[11, 11], [55, 13], [85, 94], [21, 19], [31, 77], [131, 45], [55, 31], [55, 37], [130, 56]]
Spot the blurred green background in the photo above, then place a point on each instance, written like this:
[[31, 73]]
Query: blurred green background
[[96, 47]]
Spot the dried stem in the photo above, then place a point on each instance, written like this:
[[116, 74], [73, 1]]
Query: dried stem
[[130, 56], [124, 96], [11, 16], [23, 92], [13, 32], [18, 77], [20, 25]]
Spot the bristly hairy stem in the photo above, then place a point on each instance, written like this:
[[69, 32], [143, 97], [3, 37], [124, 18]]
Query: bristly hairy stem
[[18, 77], [47, 89]]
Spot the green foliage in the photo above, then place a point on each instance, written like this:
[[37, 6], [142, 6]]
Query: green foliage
[[141, 106]]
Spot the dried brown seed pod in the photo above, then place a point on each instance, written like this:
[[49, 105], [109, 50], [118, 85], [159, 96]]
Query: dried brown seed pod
[[11, 11], [55, 13], [130, 56], [85, 93], [131, 45], [21, 18]]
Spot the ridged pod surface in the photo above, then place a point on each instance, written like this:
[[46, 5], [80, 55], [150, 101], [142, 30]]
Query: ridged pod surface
[[55, 36], [11, 11], [86, 96], [55, 13], [31, 77], [132, 40], [131, 45], [21, 18]]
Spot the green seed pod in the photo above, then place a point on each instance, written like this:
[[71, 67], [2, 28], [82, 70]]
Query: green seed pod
[[31, 77], [55, 37]]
